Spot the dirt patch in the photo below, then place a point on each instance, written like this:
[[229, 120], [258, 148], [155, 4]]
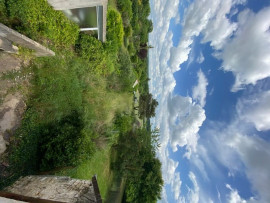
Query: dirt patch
[[9, 62], [12, 105], [10, 115]]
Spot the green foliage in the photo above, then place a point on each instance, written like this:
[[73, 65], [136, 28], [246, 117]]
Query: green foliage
[[123, 123], [99, 165], [115, 30], [136, 159], [147, 105], [92, 50], [128, 31], [126, 70], [2, 9], [42, 146], [125, 7], [148, 189], [57, 89], [75, 96], [38, 20], [61, 142]]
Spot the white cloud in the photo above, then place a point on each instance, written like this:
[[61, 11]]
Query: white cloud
[[185, 120], [255, 155], [199, 92], [176, 186], [200, 58], [177, 18], [234, 196], [218, 30], [193, 194], [180, 119], [247, 54], [208, 17], [239, 152], [256, 109]]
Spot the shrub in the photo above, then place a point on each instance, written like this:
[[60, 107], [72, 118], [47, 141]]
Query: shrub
[[2, 8], [92, 50], [125, 7], [123, 123], [38, 20], [115, 30], [126, 69], [128, 31], [63, 144]]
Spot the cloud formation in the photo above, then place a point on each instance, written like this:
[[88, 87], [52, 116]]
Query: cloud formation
[[185, 120], [256, 109], [243, 48], [247, 54], [208, 17], [240, 152], [193, 194], [199, 92], [200, 58], [234, 197]]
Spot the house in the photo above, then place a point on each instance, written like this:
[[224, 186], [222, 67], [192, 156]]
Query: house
[[90, 15]]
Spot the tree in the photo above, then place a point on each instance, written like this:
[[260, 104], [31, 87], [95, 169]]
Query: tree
[[147, 105], [137, 161]]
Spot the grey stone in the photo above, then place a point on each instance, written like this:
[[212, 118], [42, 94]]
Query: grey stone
[[9, 35]]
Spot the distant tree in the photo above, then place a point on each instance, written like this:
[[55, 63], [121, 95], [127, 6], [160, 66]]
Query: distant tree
[[147, 105], [143, 53], [150, 26]]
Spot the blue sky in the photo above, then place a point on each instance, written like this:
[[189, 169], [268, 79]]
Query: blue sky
[[210, 72]]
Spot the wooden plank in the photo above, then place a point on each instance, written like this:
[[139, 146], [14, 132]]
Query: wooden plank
[[96, 190], [13, 196]]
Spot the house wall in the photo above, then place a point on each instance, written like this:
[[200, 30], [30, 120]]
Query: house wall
[[72, 4]]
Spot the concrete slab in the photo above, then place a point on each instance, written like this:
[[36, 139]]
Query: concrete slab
[[11, 35]]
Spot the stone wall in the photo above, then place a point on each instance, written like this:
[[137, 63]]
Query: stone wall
[[9, 36], [55, 188]]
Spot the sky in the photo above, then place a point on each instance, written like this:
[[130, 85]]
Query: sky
[[210, 72]]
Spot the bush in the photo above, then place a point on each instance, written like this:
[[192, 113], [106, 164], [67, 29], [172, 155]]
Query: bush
[[63, 144], [38, 20], [2, 8], [92, 50], [126, 69], [125, 7], [115, 30], [123, 123], [128, 31]]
